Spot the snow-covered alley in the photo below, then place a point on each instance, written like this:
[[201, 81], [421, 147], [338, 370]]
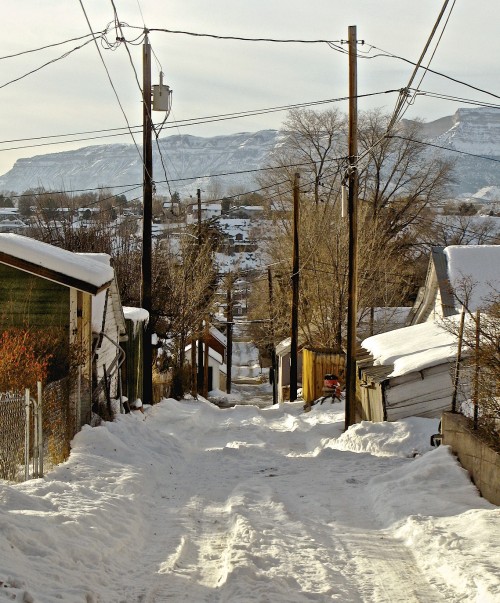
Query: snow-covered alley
[[190, 502]]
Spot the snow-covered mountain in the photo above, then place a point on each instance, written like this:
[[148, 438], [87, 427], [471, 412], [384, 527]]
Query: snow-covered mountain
[[474, 131], [189, 160]]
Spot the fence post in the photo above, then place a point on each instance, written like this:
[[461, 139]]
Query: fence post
[[35, 436], [40, 429], [27, 434]]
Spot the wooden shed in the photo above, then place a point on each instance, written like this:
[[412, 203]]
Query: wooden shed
[[316, 363], [406, 372], [135, 321], [44, 287]]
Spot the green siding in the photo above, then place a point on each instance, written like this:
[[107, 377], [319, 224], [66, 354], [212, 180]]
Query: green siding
[[28, 300]]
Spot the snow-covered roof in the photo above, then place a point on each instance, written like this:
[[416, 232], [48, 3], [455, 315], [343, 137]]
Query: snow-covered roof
[[220, 337], [211, 352], [284, 347], [475, 266], [413, 348], [135, 314], [59, 265]]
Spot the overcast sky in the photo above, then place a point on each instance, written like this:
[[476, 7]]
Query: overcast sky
[[212, 77]]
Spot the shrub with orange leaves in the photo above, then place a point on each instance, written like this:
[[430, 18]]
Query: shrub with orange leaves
[[21, 363]]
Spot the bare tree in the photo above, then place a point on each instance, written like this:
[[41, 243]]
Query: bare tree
[[397, 184]]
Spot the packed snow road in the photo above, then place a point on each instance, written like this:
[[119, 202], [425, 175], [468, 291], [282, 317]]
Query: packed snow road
[[190, 502]]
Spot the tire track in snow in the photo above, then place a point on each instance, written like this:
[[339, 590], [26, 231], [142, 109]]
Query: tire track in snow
[[383, 568], [255, 533]]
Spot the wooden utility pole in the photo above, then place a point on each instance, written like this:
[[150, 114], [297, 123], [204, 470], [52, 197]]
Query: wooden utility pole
[[295, 292], [147, 219], [229, 335], [273, 350], [200, 337], [352, 310]]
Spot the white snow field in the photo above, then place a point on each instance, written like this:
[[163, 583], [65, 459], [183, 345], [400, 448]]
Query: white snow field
[[189, 502], [246, 366]]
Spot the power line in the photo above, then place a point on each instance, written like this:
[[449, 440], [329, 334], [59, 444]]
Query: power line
[[457, 99], [398, 111], [435, 48], [182, 123], [243, 39], [437, 146], [18, 54], [63, 56], [388, 54], [110, 80]]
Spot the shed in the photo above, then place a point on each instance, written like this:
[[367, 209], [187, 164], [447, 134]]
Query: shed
[[283, 357], [135, 321], [406, 372], [44, 287], [316, 363]]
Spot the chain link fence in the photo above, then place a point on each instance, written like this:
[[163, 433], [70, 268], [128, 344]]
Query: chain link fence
[[12, 433], [21, 435]]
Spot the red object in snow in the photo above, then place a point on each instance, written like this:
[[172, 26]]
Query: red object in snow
[[331, 382]]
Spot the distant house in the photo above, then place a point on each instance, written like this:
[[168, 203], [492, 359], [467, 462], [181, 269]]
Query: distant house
[[217, 368], [406, 372], [44, 287], [10, 220], [248, 212], [468, 273], [208, 212], [217, 356]]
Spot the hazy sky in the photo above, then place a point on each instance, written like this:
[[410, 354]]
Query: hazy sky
[[212, 77]]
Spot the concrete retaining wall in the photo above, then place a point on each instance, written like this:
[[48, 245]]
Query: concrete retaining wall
[[482, 462]]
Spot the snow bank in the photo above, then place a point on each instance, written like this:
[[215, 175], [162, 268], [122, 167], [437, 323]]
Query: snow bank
[[435, 509], [407, 438]]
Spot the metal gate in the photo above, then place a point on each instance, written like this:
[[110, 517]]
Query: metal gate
[[21, 438]]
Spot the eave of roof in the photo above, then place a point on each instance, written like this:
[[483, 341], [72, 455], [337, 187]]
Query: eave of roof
[[54, 264]]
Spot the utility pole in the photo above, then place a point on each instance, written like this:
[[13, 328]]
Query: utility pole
[[273, 350], [295, 291], [352, 309], [229, 336], [147, 219], [200, 337]]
